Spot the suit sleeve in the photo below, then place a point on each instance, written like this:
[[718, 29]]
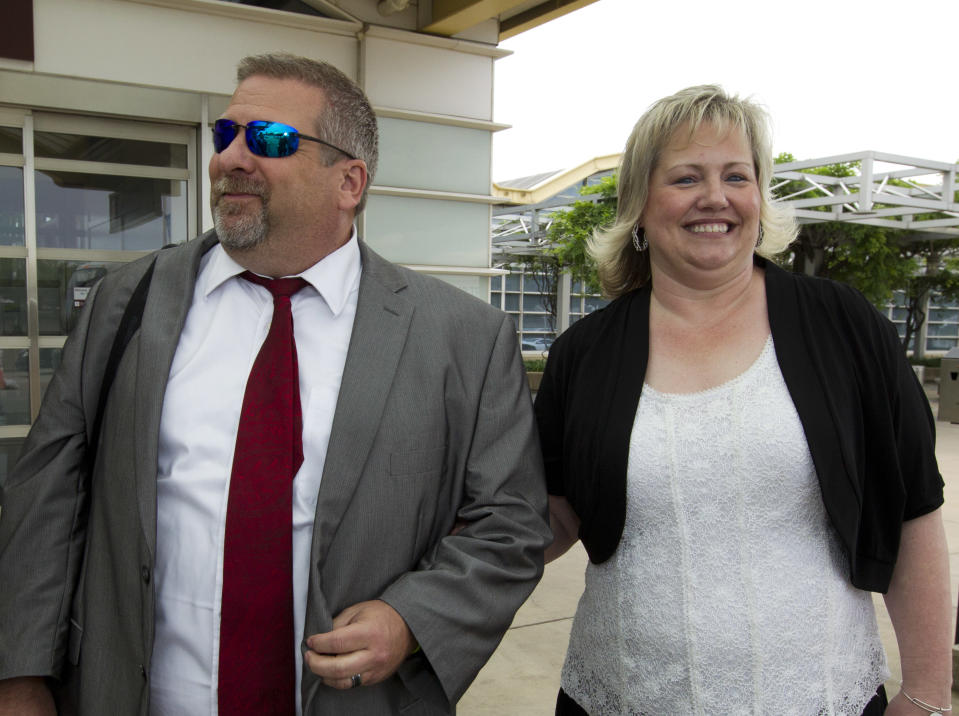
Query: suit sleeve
[[42, 523], [462, 598]]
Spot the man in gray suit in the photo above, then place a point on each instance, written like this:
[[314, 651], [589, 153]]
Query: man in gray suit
[[418, 513]]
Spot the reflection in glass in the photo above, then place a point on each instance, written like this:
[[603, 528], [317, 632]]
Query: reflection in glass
[[943, 314], [941, 329], [14, 387], [594, 302], [534, 302], [13, 297], [62, 288], [11, 140], [11, 206], [106, 149], [940, 344], [536, 322], [9, 452], [93, 211]]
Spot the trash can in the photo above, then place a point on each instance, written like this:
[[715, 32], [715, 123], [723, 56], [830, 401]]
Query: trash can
[[949, 386]]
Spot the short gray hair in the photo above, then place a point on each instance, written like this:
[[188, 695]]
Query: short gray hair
[[348, 121], [621, 268]]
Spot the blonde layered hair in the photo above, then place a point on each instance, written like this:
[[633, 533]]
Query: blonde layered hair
[[623, 269]]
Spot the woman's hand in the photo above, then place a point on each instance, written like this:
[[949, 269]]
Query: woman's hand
[[920, 607], [564, 523]]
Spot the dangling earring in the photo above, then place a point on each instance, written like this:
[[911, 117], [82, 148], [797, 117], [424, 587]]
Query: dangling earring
[[640, 244], [759, 241]]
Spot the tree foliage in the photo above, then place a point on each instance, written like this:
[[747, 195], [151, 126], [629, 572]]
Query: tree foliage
[[567, 236], [570, 230]]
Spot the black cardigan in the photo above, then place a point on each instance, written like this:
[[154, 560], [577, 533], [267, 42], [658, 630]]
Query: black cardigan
[[866, 419]]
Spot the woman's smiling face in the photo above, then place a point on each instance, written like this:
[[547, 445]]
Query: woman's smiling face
[[702, 213]]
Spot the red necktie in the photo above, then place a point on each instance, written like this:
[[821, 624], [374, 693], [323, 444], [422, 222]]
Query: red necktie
[[257, 649]]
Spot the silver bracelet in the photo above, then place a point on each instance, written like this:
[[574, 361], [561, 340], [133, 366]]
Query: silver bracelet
[[932, 710]]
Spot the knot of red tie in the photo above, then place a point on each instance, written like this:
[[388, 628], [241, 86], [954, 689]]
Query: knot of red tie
[[276, 286]]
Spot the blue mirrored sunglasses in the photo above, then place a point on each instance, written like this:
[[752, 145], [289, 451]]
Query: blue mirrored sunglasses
[[265, 139]]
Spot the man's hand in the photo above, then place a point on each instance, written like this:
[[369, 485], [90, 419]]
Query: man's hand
[[26, 696], [370, 639]]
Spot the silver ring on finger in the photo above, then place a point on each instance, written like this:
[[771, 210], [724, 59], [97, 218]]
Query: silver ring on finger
[[356, 680]]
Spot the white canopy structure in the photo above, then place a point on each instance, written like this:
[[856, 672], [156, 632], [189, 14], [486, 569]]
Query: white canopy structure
[[889, 190]]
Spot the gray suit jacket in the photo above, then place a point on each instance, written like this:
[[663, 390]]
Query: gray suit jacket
[[433, 423]]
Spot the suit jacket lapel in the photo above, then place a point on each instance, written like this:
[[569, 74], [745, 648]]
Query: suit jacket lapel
[[169, 300], [379, 332]]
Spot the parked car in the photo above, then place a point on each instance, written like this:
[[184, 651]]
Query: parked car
[[537, 344]]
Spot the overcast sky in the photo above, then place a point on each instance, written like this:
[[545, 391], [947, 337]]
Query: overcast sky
[[836, 76]]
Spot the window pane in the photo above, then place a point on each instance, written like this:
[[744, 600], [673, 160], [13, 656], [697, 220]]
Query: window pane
[[11, 140], [13, 297], [106, 149], [495, 283], [943, 314], [11, 206], [899, 314], [594, 302], [511, 302], [91, 211], [14, 387], [49, 361], [941, 329], [62, 288], [512, 282], [534, 302], [9, 452], [536, 322], [940, 344]]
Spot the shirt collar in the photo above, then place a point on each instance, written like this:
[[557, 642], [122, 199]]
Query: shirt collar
[[334, 277]]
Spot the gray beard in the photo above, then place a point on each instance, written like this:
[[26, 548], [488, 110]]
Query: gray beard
[[239, 231], [236, 229]]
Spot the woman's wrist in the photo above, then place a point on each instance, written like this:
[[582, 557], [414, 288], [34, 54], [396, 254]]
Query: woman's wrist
[[928, 698]]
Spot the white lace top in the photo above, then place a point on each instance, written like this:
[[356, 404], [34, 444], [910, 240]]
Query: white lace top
[[729, 592]]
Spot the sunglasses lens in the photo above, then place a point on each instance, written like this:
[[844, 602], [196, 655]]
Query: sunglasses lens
[[224, 131], [272, 139]]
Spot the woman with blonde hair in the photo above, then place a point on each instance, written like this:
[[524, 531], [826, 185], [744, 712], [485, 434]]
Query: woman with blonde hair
[[745, 454]]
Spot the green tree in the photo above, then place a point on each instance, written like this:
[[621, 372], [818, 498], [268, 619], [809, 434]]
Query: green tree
[[571, 230], [565, 251]]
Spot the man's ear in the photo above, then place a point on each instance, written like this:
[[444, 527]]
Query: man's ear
[[352, 183]]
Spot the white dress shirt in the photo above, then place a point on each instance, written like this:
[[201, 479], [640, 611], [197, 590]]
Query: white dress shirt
[[225, 327]]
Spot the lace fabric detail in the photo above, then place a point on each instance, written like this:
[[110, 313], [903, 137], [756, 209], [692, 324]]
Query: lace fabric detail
[[728, 593]]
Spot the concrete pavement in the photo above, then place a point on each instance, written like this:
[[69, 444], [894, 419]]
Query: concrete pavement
[[522, 678]]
